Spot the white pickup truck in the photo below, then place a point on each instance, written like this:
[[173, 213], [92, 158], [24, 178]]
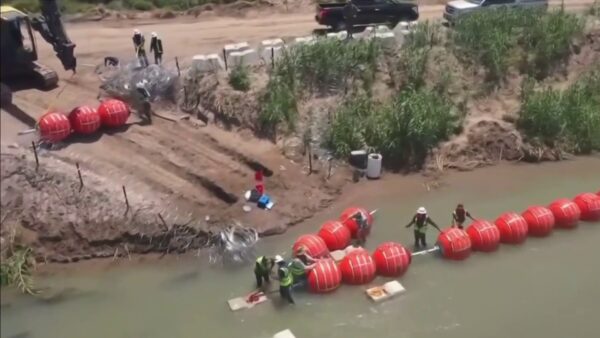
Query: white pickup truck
[[455, 9]]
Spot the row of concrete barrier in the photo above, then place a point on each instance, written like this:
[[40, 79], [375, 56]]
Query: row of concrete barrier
[[269, 51]]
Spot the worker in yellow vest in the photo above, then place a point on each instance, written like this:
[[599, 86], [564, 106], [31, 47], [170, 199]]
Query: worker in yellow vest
[[286, 280], [300, 266], [262, 270]]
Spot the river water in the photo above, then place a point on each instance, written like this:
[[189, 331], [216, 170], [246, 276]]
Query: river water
[[546, 287]]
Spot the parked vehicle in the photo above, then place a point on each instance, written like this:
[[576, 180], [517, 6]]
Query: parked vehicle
[[455, 9], [369, 12]]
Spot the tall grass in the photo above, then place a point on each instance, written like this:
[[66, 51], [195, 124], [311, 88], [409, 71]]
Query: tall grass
[[16, 270], [570, 118], [239, 78], [403, 130], [500, 38]]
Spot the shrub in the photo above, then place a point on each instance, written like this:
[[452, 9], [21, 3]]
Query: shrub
[[239, 78], [16, 270], [140, 5], [278, 105]]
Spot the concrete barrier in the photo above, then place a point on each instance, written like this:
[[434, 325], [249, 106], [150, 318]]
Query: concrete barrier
[[343, 35], [235, 47], [388, 39], [246, 57], [208, 63], [264, 44], [304, 40], [271, 54]]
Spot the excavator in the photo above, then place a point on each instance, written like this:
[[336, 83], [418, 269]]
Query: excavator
[[19, 53]]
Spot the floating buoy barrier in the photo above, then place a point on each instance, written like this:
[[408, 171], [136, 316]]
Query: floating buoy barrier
[[566, 213], [540, 220], [589, 205], [484, 236], [85, 120], [113, 113], [347, 219], [391, 259], [54, 127], [325, 277], [513, 228], [454, 244], [358, 267], [335, 234], [313, 244]]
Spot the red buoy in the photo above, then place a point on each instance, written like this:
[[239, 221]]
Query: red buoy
[[513, 228], [347, 219], [313, 244], [454, 244], [484, 236], [391, 259], [566, 213], [358, 267], [325, 277], [540, 220], [335, 235], [589, 204], [54, 127], [85, 120], [113, 113]]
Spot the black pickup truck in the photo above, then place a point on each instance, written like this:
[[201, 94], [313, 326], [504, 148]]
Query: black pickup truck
[[368, 12]]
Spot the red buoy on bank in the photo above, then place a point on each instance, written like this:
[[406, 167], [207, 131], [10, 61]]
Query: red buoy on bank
[[589, 204], [484, 236], [347, 219], [540, 220], [54, 127], [313, 244], [325, 277], [454, 244], [113, 113], [335, 234], [513, 228], [566, 213], [358, 267], [391, 259], [85, 120]]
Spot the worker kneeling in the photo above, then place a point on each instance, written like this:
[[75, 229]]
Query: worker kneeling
[[286, 280], [300, 266]]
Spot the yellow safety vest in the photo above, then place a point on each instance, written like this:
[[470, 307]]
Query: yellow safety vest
[[287, 279], [260, 266], [297, 268]]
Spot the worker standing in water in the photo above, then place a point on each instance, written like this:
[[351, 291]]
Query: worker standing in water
[[459, 216], [363, 225], [286, 280], [140, 51], [420, 221], [262, 270], [156, 47], [300, 266]]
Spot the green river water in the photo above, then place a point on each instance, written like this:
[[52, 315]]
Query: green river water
[[546, 287]]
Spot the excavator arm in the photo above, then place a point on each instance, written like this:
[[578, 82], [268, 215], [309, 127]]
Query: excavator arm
[[50, 27]]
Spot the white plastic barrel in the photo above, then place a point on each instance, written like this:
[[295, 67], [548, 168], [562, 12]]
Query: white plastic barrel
[[374, 166]]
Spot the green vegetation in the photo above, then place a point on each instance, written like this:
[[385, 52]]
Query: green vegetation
[[239, 78], [415, 52], [570, 118], [403, 130], [536, 40], [16, 270]]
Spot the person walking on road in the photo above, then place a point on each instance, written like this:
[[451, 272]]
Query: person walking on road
[[140, 51], [459, 216], [420, 221], [156, 47]]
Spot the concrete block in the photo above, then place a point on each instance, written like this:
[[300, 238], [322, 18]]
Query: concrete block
[[413, 24], [246, 58], [271, 52], [208, 63], [382, 29], [404, 25], [304, 40], [271, 43], [284, 334], [235, 47], [343, 35], [388, 39]]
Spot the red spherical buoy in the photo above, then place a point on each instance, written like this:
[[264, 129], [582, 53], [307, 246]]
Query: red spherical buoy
[[113, 113], [358, 267], [589, 204], [325, 277], [454, 244], [85, 120], [313, 244], [513, 228], [391, 259], [540, 220], [347, 219], [335, 235], [54, 127], [484, 236], [566, 213]]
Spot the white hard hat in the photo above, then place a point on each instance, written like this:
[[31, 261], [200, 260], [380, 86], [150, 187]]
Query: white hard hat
[[136, 31], [154, 34], [278, 259], [421, 211]]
